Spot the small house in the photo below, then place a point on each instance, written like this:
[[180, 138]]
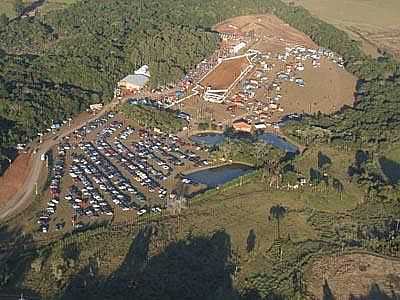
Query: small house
[[241, 125]]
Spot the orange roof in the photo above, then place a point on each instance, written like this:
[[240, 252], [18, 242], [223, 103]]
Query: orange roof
[[242, 126]]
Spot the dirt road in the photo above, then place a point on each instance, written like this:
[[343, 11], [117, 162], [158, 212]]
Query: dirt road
[[23, 197]]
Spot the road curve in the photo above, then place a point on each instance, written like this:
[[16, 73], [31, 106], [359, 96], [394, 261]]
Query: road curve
[[24, 196]]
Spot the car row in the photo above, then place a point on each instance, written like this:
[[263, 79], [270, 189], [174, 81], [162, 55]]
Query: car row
[[86, 201], [109, 179], [57, 173]]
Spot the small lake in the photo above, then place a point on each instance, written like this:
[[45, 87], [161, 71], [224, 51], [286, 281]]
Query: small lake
[[214, 177], [214, 139]]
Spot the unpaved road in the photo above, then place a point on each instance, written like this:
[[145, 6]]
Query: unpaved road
[[24, 196]]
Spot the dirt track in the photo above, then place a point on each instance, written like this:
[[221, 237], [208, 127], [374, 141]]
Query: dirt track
[[225, 74], [13, 178]]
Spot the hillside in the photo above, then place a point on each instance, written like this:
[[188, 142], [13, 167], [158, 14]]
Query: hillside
[[256, 237], [61, 53], [228, 234]]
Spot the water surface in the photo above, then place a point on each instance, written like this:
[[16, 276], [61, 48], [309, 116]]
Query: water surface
[[214, 177]]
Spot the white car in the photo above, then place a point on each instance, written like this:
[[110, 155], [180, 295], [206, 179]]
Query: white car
[[186, 180], [141, 212]]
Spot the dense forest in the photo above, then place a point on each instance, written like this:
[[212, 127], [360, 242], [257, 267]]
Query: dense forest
[[56, 65]]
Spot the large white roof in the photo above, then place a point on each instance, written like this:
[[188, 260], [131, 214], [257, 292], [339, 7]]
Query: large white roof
[[138, 80]]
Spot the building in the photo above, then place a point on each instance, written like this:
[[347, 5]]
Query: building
[[97, 106], [136, 81], [215, 96], [241, 125], [260, 126], [236, 49]]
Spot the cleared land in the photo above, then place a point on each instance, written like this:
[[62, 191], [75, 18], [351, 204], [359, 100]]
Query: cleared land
[[374, 22], [275, 34], [14, 178], [354, 274], [327, 89], [225, 73]]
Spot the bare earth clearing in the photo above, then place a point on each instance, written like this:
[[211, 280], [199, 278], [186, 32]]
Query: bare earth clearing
[[225, 74], [14, 178], [275, 33], [353, 274], [327, 88]]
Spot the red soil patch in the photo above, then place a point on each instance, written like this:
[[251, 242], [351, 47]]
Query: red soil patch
[[225, 73], [14, 177]]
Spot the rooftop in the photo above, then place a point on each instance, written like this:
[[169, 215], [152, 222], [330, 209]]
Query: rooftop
[[138, 80]]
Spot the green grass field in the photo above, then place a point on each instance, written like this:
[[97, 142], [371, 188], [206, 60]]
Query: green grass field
[[51, 5], [7, 6], [236, 208]]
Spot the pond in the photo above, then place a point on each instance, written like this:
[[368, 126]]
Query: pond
[[210, 139], [213, 139], [214, 177]]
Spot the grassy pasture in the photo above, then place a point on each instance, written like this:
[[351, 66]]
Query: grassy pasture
[[374, 22], [7, 6]]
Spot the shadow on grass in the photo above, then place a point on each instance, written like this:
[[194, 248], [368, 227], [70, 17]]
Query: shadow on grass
[[374, 293], [194, 268], [16, 257]]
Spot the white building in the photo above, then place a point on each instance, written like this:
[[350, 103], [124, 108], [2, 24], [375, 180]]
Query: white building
[[215, 96], [136, 81], [236, 49]]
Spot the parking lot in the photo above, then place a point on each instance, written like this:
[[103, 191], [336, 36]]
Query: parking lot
[[112, 167]]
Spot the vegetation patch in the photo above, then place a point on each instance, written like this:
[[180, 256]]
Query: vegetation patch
[[149, 117]]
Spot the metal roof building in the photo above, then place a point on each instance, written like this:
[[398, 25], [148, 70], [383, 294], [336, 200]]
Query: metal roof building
[[136, 81]]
